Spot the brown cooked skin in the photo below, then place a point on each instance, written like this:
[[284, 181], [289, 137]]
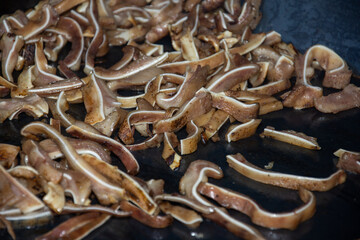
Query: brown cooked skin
[[242, 203], [350, 162], [338, 80], [346, 99], [240, 164], [153, 221], [8, 154], [241, 112], [301, 96], [199, 105]]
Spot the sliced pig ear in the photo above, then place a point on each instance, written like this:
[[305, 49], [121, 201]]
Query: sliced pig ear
[[97, 39], [250, 16], [116, 147], [77, 185], [57, 87], [8, 155], [154, 221], [53, 48], [215, 122], [240, 164], [213, 61], [129, 53], [66, 5], [40, 160], [198, 105], [17, 196], [48, 18], [197, 172], [126, 132], [255, 41], [241, 131], [272, 38], [154, 141], [186, 216], [231, 78], [189, 144], [189, 202], [187, 41], [77, 227], [337, 73], [106, 17], [81, 146], [346, 99], [242, 112], [292, 137], [121, 15], [159, 23], [169, 154], [303, 94], [55, 196], [149, 49], [99, 101], [42, 69], [24, 82], [74, 34], [75, 160], [33, 105], [259, 78], [131, 69], [194, 80], [259, 216], [10, 46], [121, 186]]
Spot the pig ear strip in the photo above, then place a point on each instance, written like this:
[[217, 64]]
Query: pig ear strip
[[220, 71]]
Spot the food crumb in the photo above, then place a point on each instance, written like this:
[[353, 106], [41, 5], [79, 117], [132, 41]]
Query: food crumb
[[269, 165]]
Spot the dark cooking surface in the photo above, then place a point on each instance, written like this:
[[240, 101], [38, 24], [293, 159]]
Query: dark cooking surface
[[333, 23]]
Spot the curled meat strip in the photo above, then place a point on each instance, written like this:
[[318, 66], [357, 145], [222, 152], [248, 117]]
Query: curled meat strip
[[198, 172], [96, 40], [10, 48], [77, 227], [116, 147], [99, 182], [73, 33], [15, 195], [39, 159], [258, 215], [303, 93], [198, 105], [240, 164], [80, 145], [337, 74], [154, 221], [192, 83], [103, 184], [48, 18], [33, 105], [346, 99]]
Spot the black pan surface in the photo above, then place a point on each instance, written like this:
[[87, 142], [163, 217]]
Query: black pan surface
[[335, 24]]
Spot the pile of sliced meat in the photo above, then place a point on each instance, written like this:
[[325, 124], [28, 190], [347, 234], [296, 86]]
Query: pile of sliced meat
[[218, 71]]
